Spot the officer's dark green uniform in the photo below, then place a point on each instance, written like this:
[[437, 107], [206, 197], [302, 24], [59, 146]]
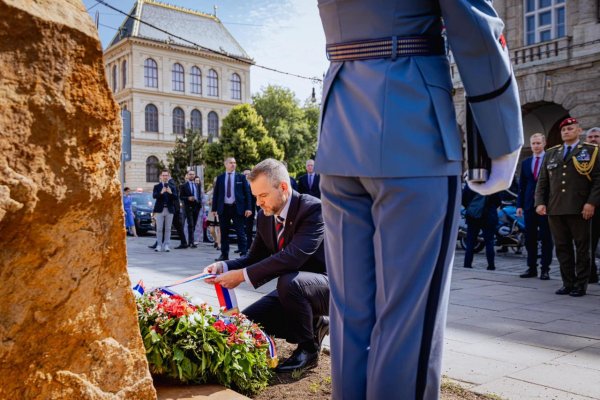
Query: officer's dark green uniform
[[564, 186]]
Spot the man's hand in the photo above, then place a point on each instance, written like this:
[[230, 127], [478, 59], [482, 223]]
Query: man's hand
[[247, 213], [230, 279], [214, 268], [541, 209], [168, 190], [519, 212], [214, 213], [588, 211], [501, 175]]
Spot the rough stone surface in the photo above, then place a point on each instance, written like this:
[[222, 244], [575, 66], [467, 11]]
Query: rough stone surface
[[68, 327]]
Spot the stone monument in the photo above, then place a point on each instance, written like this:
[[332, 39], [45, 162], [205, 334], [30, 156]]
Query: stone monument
[[68, 327]]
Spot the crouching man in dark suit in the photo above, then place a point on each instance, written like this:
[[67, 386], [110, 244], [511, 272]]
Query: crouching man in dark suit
[[288, 246]]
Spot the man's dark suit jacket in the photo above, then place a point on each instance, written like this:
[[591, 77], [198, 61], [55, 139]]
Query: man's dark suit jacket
[[303, 243], [185, 192], [526, 198], [172, 199], [242, 194], [304, 188]]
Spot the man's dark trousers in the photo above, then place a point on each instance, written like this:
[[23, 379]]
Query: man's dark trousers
[[303, 295], [535, 223], [192, 209], [567, 229], [595, 237], [230, 214]]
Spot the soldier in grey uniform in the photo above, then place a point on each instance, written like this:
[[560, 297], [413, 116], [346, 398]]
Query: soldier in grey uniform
[[390, 159], [568, 191]]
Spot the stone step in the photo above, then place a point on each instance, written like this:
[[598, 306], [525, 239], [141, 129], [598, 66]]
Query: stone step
[[196, 392]]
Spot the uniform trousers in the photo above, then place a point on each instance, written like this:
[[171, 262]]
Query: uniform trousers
[[574, 262], [291, 310], [389, 249]]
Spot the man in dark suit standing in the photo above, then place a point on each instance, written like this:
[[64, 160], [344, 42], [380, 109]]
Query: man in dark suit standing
[[249, 222], [568, 191], [288, 246], [309, 183], [165, 194], [231, 201], [191, 195], [536, 226]]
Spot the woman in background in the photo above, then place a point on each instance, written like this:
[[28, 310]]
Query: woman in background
[[129, 218]]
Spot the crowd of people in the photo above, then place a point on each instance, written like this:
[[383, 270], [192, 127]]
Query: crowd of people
[[558, 191]]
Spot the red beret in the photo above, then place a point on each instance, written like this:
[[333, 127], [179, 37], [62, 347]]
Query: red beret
[[568, 121]]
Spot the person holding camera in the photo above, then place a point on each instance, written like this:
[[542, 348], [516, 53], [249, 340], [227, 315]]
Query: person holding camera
[[165, 194]]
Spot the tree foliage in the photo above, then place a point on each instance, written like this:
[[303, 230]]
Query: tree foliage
[[294, 128], [188, 151], [244, 137]]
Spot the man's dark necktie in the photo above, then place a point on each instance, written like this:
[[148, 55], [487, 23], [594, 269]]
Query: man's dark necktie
[[536, 168], [567, 154], [193, 187], [310, 181], [229, 184], [279, 231]]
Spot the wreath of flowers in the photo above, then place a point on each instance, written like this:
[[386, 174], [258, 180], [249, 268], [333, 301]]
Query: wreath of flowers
[[195, 344]]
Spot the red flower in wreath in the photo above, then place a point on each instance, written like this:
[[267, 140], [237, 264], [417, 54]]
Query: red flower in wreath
[[219, 326]]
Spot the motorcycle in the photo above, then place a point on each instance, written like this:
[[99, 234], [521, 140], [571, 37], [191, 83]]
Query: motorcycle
[[510, 232]]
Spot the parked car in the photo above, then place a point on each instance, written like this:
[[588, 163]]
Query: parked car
[[142, 206]]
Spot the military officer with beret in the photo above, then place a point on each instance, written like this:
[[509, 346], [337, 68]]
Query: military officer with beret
[[568, 191]]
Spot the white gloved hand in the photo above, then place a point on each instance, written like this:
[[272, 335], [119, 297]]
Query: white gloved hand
[[501, 175]]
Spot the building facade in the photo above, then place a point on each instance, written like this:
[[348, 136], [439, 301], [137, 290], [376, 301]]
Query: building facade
[[171, 81], [555, 50]]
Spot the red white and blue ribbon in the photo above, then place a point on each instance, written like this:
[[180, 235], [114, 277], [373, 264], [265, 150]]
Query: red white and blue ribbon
[[227, 297]]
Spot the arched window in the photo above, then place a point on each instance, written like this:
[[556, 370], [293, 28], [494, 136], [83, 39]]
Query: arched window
[[178, 121], [151, 169], [114, 78], [196, 81], [213, 124], [123, 74], [236, 87], [151, 118], [150, 73], [178, 77], [213, 83], [196, 121]]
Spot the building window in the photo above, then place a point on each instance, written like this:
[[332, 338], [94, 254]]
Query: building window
[[178, 77], [196, 121], [178, 121], [123, 74], [196, 81], [151, 118], [236, 87], [213, 124], [544, 20], [150, 73], [114, 78], [152, 169], [213, 83]]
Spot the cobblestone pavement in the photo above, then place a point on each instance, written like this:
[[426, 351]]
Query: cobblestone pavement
[[505, 335]]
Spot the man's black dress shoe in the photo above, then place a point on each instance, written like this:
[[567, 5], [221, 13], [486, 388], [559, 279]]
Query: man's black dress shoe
[[491, 268], [321, 330], [564, 290], [577, 292], [300, 359], [193, 246], [153, 246], [236, 251], [530, 273], [243, 254], [222, 258], [181, 247], [544, 276], [467, 266]]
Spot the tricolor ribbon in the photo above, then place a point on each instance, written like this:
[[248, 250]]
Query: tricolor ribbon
[[273, 360], [227, 298], [139, 288]]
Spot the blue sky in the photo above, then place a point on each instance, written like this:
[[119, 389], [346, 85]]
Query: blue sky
[[283, 34]]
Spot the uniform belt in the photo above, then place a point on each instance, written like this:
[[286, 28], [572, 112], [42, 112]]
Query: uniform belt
[[390, 47]]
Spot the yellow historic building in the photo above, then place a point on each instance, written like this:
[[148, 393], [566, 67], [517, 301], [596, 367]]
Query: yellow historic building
[[555, 50], [171, 85]]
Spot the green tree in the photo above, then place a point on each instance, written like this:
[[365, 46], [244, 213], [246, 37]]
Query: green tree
[[188, 151], [291, 126], [244, 137]]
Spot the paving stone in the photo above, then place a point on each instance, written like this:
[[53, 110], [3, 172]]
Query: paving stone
[[588, 357], [549, 340], [579, 329], [525, 314], [514, 389], [510, 352], [569, 378], [475, 369]]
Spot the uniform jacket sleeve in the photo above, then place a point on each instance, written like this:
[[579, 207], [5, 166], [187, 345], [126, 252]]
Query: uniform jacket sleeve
[[474, 33]]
